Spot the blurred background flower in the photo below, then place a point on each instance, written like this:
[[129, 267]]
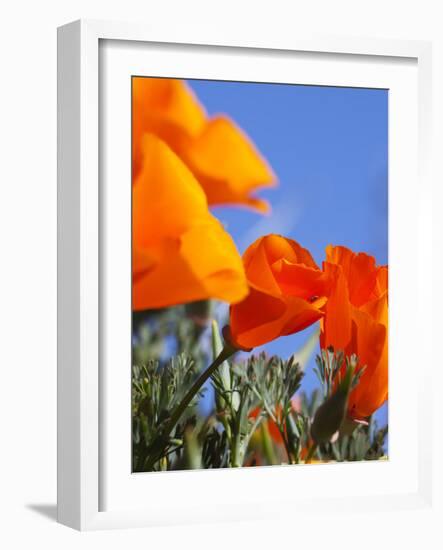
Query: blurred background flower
[[219, 154], [181, 253]]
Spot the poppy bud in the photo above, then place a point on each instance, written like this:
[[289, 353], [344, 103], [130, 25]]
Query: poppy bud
[[330, 415]]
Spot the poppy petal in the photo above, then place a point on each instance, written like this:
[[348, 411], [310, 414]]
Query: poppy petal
[[299, 280], [372, 351], [227, 164], [221, 156], [166, 198], [337, 322], [181, 252], [359, 269], [255, 320], [258, 270]]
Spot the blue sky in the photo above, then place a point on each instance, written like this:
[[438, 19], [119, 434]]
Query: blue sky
[[329, 149]]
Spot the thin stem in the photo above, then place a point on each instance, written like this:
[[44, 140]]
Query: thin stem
[[254, 426], [225, 353], [267, 446], [285, 442], [277, 423], [237, 450], [265, 405], [235, 453], [311, 452]]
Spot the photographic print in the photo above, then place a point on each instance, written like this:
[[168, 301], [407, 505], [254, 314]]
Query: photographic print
[[259, 274]]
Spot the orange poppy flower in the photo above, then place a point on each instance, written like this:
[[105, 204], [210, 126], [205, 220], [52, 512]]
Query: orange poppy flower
[[356, 322], [218, 153], [181, 253], [287, 292]]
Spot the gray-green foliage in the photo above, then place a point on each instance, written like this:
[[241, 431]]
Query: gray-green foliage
[[156, 391], [250, 396]]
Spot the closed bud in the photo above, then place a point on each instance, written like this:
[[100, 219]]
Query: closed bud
[[331, 414]]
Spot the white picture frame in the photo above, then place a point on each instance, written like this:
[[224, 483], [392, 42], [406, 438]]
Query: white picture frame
[[82, 414]]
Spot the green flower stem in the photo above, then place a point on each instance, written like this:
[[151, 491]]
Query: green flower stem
[[225, 353]]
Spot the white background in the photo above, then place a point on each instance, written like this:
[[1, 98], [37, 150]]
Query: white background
[[28, 266]]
